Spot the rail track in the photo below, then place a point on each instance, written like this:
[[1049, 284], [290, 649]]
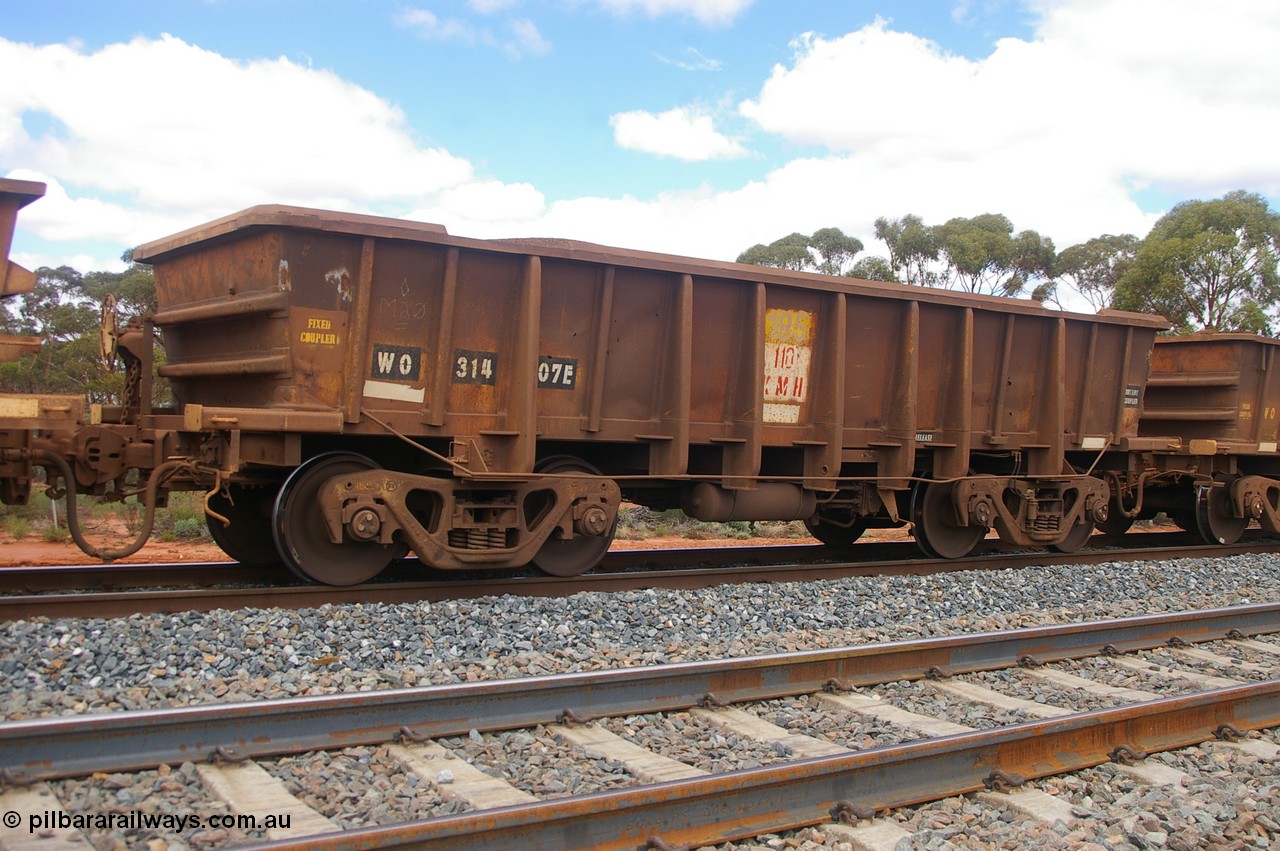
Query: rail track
[[126, 589], [669, 802]]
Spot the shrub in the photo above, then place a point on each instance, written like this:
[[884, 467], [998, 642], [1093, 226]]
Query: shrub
[[17, 526], [56, 535]]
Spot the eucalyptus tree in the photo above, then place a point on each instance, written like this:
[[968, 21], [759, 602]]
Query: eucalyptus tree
[[64, 310], [983, 255], [830, 251], [1094, 268], [873, 269], [1209, 265], [913, 248]]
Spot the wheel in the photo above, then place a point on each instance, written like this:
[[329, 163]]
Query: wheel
[[1213, 516], [302, 537], [1076, 538], [1116, 523], [834, 533], [248, 539], [936, 529], [576, 555]]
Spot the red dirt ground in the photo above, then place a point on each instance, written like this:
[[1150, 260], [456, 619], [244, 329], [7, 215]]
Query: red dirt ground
[[31, 551]]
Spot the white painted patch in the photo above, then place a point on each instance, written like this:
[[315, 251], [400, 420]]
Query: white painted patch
[[1266, 447], [788, 352], [394, 392], [1093, 443], [341, 280]]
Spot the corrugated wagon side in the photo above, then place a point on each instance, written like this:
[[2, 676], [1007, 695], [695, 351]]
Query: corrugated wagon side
[[362, 385]]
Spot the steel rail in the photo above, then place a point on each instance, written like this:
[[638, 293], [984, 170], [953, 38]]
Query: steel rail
[[70, 746], [122, 575], [787, 796], [126, 603], [117, 576]]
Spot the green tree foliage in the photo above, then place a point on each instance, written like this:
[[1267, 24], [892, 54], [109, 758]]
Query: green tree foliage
[[984, 256], [835, 250], [978, 255], [873, 269], [913, 248], [789, 252], [134, 290], [64, 310], [1094, 268], [1209, 265], [56, 312], [829, 251]]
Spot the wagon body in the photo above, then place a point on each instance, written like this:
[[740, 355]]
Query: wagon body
[[1209, 432], [1218, 391], [737, 392], [698, 368], [15, 280]]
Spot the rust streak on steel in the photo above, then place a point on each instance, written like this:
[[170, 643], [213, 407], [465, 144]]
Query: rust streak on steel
[[763, 800], [56, 747]]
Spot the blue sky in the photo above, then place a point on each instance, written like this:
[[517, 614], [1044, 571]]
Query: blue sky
[[522, 112], [692, 126]]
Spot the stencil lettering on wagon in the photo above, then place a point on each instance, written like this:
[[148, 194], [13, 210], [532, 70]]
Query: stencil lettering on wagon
[[396, 363], [557, 373], [788, 351], [470, 367], [392, 366]]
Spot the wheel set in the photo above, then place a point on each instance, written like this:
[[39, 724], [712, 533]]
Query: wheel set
[[265, 525]]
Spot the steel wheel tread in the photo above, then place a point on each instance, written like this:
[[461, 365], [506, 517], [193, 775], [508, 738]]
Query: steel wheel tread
[[1213, 516], [936, 530], [835, 535], [249, 539], [576, 556], [303, 539]]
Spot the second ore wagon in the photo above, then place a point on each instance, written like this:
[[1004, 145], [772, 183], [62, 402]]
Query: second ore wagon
[[1209, 435]]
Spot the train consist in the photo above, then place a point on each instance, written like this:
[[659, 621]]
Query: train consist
[[350, 388]]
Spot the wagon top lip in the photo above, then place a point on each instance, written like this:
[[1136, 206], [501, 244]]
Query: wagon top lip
[[24, 191], [355, 224], [1220, 337]]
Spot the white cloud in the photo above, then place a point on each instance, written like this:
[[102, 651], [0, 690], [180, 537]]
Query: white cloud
[[488, 205], [692, 59], [432, 27], [681, 133], [711, 12], [524, 40], [527, 40], [1055, 131], [212, 136], [489, 7], [1105, 92]]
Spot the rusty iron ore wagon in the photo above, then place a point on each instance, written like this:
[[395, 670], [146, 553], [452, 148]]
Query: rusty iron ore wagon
[[349, 388], [1209, 434], [15, 280]]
